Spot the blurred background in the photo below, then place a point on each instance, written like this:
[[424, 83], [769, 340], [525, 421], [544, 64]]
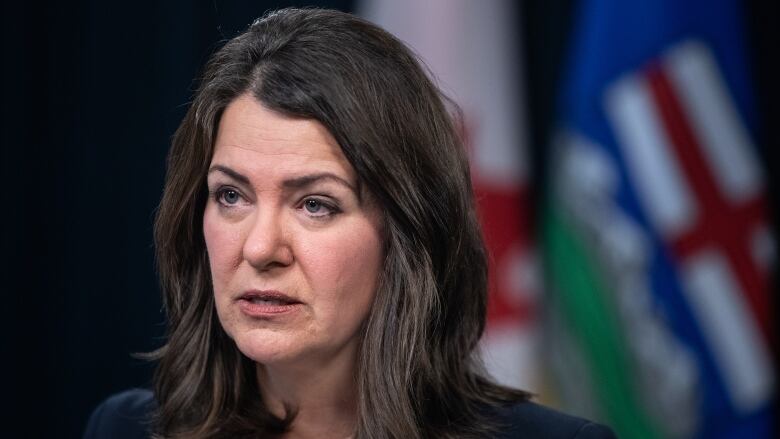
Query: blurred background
[[621, 154]]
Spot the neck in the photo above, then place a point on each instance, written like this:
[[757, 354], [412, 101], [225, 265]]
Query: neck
[[324, 396]]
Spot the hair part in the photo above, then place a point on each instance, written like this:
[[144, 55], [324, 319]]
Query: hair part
[[417, 374]]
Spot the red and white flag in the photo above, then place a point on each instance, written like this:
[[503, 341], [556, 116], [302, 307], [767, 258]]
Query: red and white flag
[[472, 48]]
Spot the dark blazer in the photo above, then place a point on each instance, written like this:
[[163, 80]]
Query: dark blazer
[[126, 416]]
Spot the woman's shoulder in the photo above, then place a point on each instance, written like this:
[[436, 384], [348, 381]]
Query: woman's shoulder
[[528, 419], [126, 415]]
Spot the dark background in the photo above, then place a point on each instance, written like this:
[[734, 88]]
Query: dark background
[[91, 93]]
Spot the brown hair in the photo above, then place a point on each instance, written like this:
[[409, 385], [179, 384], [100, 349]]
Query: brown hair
[[417, 372]]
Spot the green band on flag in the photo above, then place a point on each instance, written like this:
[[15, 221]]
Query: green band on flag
[[583, 300]]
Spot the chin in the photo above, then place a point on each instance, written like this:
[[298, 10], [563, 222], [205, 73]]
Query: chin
[[266, 347]]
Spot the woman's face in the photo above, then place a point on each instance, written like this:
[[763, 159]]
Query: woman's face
[[294, 247]]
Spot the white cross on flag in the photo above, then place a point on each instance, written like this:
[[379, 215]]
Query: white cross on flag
[[694, 168]]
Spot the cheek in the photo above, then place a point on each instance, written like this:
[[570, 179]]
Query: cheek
[[223, 244], [345, 267]]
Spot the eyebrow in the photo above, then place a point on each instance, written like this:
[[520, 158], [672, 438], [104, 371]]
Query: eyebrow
[[290, 183]]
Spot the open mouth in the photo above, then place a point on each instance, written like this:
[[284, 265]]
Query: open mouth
[[268, 297], [269, 302]]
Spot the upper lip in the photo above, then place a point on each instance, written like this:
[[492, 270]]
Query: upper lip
[[267, 295]]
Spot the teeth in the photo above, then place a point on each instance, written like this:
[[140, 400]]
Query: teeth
[[271, 302]]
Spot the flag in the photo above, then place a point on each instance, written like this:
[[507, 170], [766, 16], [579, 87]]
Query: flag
[[472, 50], [657, 243]]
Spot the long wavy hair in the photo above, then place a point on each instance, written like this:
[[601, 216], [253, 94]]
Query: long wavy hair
[[418, 374]]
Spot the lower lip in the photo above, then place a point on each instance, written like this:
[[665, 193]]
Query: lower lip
[[265, 310]]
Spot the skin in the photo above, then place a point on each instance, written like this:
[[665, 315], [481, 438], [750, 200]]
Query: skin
[[318, 242]]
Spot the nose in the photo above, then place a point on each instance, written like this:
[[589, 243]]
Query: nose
[[267, 244]]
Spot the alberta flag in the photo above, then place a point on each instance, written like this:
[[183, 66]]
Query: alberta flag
[[658, 246]]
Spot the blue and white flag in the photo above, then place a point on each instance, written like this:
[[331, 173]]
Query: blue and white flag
[[657, 181]]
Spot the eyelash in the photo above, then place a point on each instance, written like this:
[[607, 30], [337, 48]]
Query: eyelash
[[332, 208]]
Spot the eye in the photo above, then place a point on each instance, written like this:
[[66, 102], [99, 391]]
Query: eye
[[227, 196], [318, 208]]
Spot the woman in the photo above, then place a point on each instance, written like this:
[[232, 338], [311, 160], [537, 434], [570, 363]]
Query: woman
[[323, 270]]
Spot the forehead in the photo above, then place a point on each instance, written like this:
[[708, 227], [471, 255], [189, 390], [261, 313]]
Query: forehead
[[252, 137]]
